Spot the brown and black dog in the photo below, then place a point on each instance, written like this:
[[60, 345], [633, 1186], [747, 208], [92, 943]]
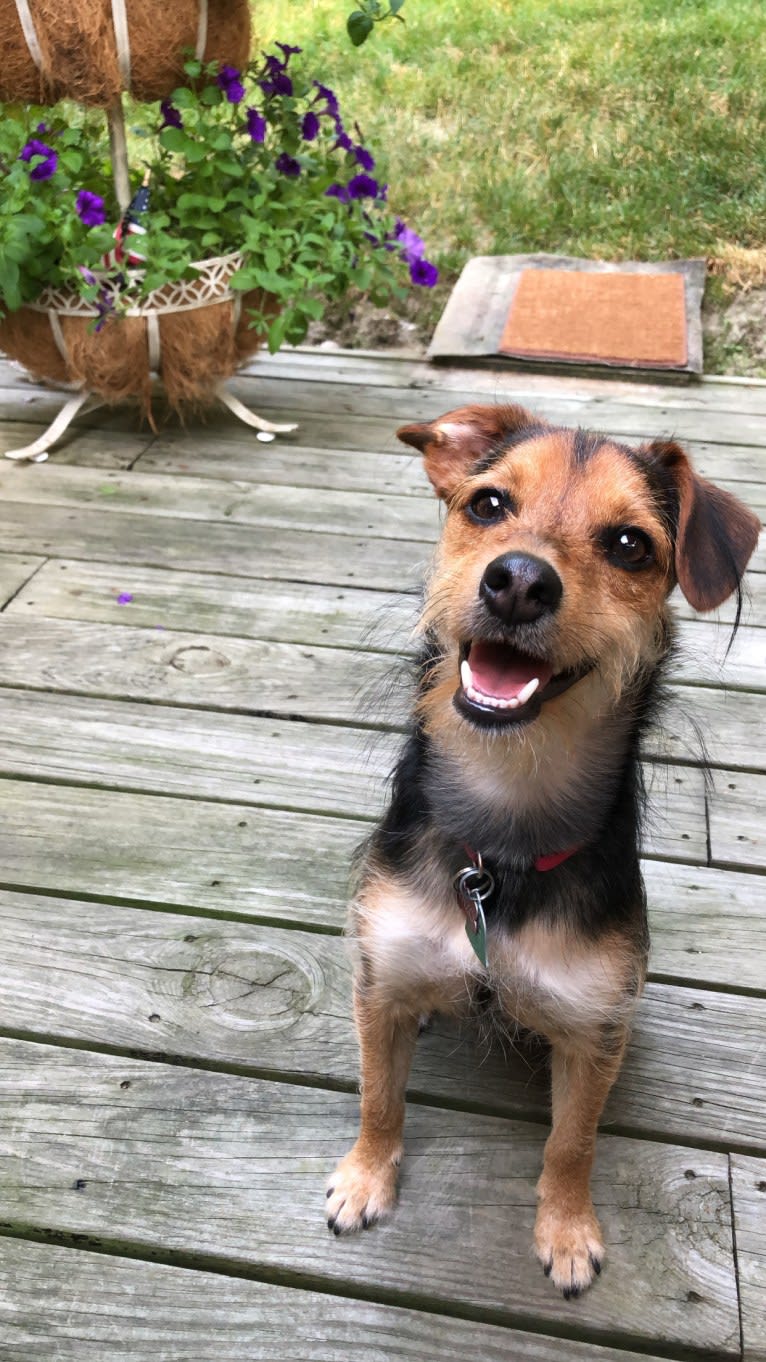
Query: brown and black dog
[[508, 858]]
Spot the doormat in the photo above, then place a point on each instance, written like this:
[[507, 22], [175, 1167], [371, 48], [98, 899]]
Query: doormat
[[558, 312]]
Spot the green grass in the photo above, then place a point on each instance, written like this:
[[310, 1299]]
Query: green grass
[[611, 128]]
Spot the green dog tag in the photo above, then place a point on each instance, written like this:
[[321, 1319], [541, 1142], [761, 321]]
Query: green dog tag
[[478, 936], [473, 884]]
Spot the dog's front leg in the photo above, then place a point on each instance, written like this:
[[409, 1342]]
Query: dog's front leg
[[567, 1234], [363, 1186]]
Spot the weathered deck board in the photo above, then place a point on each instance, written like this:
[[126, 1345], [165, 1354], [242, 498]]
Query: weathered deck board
[[265, 505], [385, 369], [244, 675], [234, 1168], [707, 925], [219, 858], [310, 767], [345, 617], [223, 454], [15, 570], [748, 1186], [279, 1002], [349, 405], [307, 681], [96, 449], [339, 617], [221, 451], [85, 1307], [736, 811], [408, 372], [162, 541]]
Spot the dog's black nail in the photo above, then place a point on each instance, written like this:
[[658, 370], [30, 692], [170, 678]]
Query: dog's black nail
[[366, 1222], [595, 1264], [331, 1222], [548, 1268], [573, 1292], [336, 1229], [329, 1191], [566, 1292]]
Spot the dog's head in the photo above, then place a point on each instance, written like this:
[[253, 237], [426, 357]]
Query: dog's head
[[558, 553]]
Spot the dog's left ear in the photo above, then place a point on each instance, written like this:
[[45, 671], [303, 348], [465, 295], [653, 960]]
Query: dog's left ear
[[455, 441], [716, 532]]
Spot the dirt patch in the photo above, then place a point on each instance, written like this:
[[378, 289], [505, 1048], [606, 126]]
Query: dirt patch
[[734, 332]]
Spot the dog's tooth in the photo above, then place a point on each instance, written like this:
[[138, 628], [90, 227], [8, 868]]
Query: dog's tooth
[[514, 703], [466, 675], [528, 691]]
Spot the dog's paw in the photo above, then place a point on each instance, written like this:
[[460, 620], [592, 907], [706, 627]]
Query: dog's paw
[[361, 1190], [570, 1248]]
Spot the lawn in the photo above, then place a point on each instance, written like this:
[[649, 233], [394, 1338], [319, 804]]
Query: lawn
[[606, 128]]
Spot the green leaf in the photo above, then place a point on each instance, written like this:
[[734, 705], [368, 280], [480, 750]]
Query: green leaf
[[359, 27], [174, 139], [394, 6]]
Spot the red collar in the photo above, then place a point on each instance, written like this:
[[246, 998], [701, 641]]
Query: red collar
[[554, 858], [541, 863]]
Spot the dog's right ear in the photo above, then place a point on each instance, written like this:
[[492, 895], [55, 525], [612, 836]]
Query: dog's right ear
[[451, 444]]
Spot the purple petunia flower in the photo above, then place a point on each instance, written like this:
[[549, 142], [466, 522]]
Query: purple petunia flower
[[277, 84], [412, 247], [324, 92], [229, 80], [256, 125], [364, 158], [90, 208], [87, 274], [287, 165], [423, 272], [45, 167], [310, 126], [288, 50], [363, 187], [339, 192], [171, 117], [343, 141], [125, 597]]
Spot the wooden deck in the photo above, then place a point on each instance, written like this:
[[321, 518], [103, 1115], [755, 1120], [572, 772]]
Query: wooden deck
[[183, 779]]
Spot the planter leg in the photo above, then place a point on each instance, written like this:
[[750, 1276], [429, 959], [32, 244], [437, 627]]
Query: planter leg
[[267, 429], [38, 451]]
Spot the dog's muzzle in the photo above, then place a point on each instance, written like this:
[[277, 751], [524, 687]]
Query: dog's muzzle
[[500, 682]]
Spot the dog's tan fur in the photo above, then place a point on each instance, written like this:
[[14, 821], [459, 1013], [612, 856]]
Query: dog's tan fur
[[413, 956]]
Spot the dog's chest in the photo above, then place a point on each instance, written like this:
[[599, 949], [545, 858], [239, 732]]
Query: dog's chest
[[541, 978]]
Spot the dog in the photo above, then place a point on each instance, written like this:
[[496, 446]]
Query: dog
[[508, 858]]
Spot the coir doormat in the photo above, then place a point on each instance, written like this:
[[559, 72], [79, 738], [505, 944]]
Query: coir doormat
[[558, 311]]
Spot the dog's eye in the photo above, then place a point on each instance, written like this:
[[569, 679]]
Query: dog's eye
[[488, 504], [629, 547]]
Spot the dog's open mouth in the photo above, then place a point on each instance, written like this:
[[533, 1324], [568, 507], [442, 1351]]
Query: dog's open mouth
[[500, 684]]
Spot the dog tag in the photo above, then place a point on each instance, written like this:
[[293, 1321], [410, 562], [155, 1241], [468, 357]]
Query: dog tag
[[478, 936], [473, 884]]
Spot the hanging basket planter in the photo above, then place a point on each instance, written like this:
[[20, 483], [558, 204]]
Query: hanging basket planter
[[236, 211], [192, 335], [56, 338], [93, 50]]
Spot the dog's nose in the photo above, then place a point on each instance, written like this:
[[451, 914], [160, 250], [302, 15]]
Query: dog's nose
[[519, 588]]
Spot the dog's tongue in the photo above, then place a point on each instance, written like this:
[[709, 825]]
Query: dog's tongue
[[503, 672]]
